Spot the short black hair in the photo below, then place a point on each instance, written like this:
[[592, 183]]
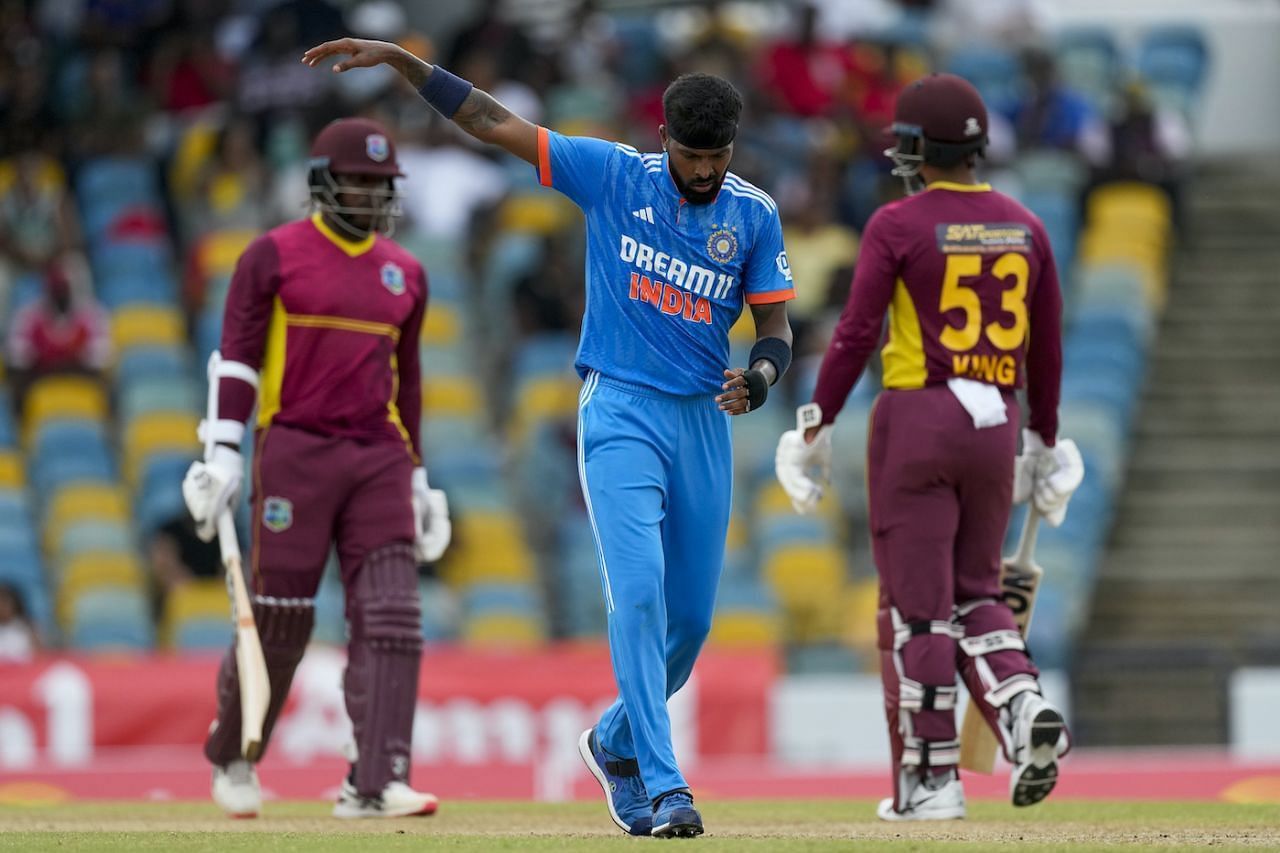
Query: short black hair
[[702, 110]]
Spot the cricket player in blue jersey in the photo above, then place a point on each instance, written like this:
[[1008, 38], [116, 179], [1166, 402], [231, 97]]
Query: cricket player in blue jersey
[[676, 245]]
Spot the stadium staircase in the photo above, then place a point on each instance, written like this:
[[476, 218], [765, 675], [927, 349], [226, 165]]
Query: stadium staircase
[[1189, 589]]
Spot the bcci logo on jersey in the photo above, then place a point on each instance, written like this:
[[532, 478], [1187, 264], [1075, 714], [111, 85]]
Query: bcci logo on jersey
[[393, 278], [277, 514], [722, 245]]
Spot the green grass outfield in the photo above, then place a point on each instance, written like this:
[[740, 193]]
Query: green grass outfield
[[733, 826]]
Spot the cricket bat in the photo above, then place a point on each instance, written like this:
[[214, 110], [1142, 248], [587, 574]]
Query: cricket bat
[[255, 690], [1019, 581]]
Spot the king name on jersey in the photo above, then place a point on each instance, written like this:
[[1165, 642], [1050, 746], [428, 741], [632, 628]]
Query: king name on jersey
[[675, 287]]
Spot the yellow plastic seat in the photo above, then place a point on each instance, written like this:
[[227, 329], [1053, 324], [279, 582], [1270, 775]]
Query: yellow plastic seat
[[745, 629], [1129, 201], [809, 582], [63, 397], [82, 501], [11, 470], [487, 547], [743, 331], [442, 326], [200, 599], [157, 432], [771, 499], [536, 213], [140, 325], [92, 571], [542, 399], [503, 630], [220, 250], [451, 396], [861, 603]]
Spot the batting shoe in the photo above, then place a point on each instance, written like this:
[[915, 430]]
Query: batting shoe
[[619, 778], [675, 817], [935, 798], [1039, 736], [236, 789], [396, 800]]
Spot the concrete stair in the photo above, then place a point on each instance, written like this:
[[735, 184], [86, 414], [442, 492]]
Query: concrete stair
[[1190, 586]]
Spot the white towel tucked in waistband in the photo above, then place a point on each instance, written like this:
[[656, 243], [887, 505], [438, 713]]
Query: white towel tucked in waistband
[[983, 402]]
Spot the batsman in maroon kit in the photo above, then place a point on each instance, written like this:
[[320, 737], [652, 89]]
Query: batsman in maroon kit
[[322, 324], [968, 281]]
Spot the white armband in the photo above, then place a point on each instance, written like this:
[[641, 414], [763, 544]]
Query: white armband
[[214, 430], [232, 370]]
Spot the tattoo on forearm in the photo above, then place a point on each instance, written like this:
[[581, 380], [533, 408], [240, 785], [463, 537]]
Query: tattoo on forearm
[[480, 113], [417, 73]]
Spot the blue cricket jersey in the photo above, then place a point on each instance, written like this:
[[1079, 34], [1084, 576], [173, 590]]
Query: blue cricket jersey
[[666, 279]]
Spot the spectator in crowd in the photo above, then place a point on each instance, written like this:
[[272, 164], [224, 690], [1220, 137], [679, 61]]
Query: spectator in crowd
[[491, 33], [18, 639], [439, 164], [65, 331], [820, 247], [186, 71], [38, 221], [233, 189], [1053, 115], [804, 74], [109, 115]]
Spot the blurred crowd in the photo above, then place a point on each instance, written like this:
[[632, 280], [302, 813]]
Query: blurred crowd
[[212, 95]]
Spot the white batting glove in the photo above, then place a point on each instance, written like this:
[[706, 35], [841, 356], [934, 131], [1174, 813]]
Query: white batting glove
[[432, 528], [803, 467], [1024, 467], [1054, 474], [211, 486]]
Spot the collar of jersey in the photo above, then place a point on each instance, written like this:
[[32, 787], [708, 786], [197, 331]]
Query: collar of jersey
[[353, 248], [960, 188], [670, 182]]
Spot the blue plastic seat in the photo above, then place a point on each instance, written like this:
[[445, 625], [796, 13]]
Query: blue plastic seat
[[145, 363], [49, 475], [61, 436], [544, 355], [202, 634], [94, 535], [111, 617], [995, 73], [124, 289]]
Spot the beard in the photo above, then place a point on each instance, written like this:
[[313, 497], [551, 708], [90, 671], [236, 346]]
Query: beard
[[697, 196]]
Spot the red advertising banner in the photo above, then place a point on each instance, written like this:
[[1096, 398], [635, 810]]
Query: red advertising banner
[[474, 708]]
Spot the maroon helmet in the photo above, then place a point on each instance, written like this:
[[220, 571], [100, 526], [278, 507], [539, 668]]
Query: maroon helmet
[[938, 120], [355, 146]]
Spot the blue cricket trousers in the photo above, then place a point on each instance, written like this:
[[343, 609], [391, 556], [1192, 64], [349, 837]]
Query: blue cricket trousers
[[657, 476]]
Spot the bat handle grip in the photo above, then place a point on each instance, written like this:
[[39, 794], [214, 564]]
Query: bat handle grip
[[1027, 541], [228, 542]]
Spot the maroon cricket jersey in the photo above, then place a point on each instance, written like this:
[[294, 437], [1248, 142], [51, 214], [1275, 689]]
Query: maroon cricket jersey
[[332, 325], [967, 277]]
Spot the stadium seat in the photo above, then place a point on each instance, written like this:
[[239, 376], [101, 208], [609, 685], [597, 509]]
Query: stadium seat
[[443, 325], [487, 547], [1172, 61], [543, 399], [92, 570], [809, 583], [81, 502], [79, 537], [11, 470], [196, 615], [73, 397], [1089, 62], [504, 630], [158, 432], [109, 619], [452, 396], [126, 288], [147, 325], [173, 394], [146, 363]]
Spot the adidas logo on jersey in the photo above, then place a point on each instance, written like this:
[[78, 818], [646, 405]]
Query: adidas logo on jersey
[[645, 213]]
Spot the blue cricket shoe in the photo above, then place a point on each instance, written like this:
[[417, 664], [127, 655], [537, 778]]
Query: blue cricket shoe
[[675, 817], [624, 793]]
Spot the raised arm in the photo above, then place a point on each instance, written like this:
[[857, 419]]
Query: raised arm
[[474, 110]]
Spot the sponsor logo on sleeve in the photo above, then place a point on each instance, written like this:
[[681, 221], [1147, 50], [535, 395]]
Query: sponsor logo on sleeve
[[784, 265]]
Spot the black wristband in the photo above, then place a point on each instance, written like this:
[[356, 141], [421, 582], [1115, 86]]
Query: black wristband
[[776, 351], [757, 389], [444, 91]]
